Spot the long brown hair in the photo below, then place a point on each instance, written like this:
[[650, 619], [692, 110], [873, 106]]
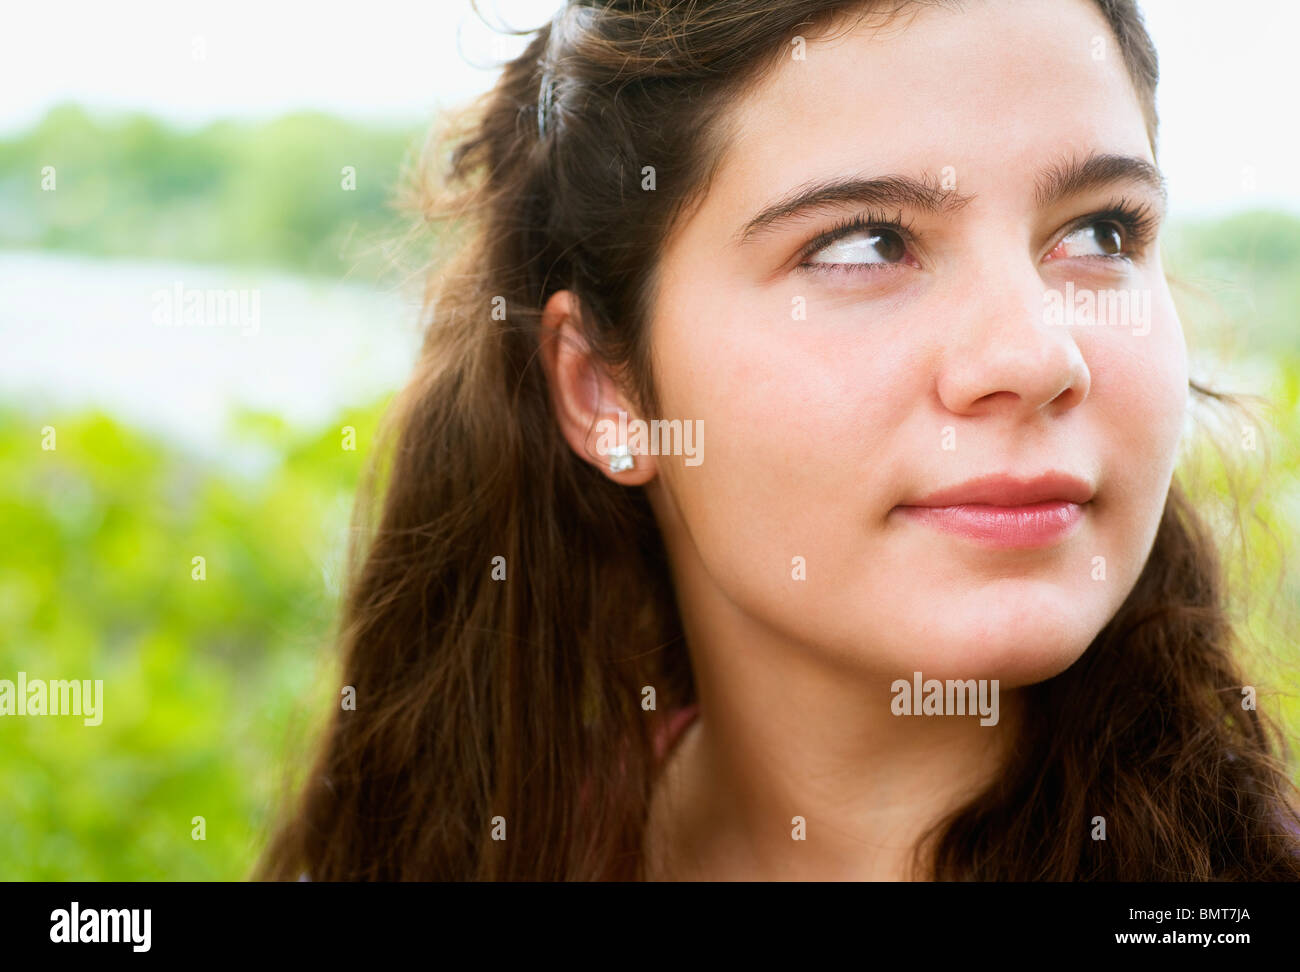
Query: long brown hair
[[495, 692]]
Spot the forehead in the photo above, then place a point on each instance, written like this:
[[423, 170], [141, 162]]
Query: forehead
[[991, 88]]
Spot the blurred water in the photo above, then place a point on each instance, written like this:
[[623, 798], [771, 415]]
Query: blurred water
[[84, 332]]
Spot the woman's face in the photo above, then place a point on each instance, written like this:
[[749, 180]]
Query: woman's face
[[843, 390]]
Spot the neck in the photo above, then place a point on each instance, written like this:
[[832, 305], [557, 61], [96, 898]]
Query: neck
[[785, 734]]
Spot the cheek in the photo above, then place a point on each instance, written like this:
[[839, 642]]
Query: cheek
[[796, 420], [1139, 395], [1139, 398], [792, 417]]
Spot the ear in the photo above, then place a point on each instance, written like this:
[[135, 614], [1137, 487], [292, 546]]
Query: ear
[[587, 400]]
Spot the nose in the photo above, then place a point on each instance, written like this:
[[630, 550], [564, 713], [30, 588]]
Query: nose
[[1005, 355]]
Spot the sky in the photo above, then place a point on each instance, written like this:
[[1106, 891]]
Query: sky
[[1226, 98]]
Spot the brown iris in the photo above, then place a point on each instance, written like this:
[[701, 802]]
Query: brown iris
[[1109, 237], [888, 244]]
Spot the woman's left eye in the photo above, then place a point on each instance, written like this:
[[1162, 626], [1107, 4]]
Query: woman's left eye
[[1101, 237]]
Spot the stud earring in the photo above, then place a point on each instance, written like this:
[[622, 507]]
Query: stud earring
[[620, 459]]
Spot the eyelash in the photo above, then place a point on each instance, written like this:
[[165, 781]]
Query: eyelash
[[1136, 221]]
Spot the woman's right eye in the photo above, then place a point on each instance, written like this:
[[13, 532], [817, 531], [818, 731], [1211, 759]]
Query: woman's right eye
[[873, 245]]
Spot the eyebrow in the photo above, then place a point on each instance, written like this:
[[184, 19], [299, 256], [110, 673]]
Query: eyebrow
[[1074, 177], [1055, 183]]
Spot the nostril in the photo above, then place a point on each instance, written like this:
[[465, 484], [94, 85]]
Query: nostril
[[997, 397]]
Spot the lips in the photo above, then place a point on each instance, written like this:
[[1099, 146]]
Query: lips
[[1004, 511]]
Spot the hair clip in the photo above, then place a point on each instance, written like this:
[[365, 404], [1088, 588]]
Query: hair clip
[[545, 96]]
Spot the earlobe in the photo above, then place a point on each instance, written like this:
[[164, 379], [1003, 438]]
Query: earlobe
[[612, 447], [592, 414]]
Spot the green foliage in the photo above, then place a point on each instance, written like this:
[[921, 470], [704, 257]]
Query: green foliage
[[202, 678], [1241, 281], [269, 194]]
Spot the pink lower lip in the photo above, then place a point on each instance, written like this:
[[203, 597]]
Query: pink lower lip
[[1007, 527]]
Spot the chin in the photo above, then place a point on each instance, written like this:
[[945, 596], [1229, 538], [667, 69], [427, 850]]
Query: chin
[[1017, 631]]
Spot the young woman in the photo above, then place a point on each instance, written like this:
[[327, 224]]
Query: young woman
[[911, 590]]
